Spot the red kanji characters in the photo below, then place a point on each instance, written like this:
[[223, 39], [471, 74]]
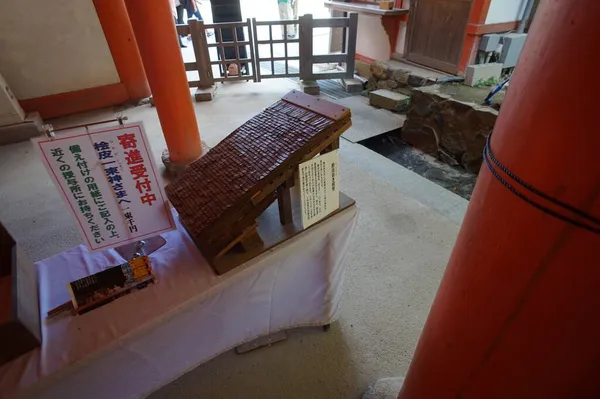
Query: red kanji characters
[[138, 171], [127, 140], [143, 184], [133, 157], [148, 198]]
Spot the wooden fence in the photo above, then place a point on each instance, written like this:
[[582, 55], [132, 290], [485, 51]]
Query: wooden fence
[[245, 33]]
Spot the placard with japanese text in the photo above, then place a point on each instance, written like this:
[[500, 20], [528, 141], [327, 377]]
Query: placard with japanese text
[[319, 188], [110, 183]]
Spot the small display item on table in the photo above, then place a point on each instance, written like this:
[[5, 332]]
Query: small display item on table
[[93, 291]]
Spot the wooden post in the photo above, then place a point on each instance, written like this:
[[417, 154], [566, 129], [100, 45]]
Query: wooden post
[[154, 29], [335, 144], [351, 44], [201, 51], [256, 52], [251, 241], [306, 46], [516, 314], [284, 202], [251, 38]]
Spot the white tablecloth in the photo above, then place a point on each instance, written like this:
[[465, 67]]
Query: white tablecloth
[[142, 341]]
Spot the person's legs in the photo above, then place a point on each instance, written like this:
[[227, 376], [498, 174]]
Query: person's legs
[[284, 13], [179, 19], [294, 7], [194, 13], [179, 37]]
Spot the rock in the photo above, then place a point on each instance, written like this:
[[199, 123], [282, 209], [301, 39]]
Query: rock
[[401, 76], [390, 100], [372, 83], [384, 388], [379, 69], [391, 83], [352, 85], [417, 81], [363, 69], [382, 84], [455, 131]]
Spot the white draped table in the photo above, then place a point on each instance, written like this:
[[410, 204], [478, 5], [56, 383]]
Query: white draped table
[[142, 341]]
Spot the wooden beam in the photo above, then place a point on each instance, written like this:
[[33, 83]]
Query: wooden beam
[[284, 202]]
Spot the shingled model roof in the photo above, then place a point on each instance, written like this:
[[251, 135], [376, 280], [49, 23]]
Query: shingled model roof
[[234, 170]]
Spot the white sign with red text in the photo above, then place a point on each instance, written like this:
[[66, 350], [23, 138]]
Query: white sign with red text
[[110, 183]]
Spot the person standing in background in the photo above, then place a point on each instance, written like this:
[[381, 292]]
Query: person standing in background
[[288, 9], [190, 7], [174, 9], [294, 7]]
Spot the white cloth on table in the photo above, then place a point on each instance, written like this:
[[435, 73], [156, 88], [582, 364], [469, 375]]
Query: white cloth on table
[[144, 340]]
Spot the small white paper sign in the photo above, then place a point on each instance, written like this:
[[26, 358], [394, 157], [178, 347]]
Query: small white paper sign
[[319, 185], [110, 183]]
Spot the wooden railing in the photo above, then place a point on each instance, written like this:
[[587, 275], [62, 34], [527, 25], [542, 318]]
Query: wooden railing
[[245, 36]]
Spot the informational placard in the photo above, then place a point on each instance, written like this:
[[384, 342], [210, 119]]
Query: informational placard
[[319, 187], [110, 183]]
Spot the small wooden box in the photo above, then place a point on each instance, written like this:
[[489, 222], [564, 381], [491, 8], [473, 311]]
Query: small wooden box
[[386, 5], [20, 323]]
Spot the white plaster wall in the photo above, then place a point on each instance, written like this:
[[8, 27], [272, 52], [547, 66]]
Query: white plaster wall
[[371, 39], [505, 11], [53, 46]]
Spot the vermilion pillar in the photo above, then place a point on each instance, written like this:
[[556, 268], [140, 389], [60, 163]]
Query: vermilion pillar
[[517, 314], [154, 29], [123, 46]]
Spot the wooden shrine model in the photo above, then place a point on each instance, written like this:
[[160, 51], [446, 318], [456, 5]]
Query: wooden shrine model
[[220, 196]]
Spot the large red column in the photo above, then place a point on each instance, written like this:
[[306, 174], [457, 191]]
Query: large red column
[[154, 29], [517, 314], [113, 17]]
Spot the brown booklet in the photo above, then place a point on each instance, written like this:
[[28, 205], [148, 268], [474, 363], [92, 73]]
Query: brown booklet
[[98, 289]]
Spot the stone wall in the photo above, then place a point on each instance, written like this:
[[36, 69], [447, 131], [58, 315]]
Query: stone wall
[[391, 76], [454, 131]]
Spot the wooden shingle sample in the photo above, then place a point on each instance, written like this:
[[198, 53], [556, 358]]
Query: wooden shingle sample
[[221, 194]]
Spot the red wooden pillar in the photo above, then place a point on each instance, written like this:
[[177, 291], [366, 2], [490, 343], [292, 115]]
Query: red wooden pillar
[[154, 29], [517, 314], [116, 25]]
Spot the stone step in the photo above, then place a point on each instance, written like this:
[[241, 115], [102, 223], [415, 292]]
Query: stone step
[[352, 85], [310, 87], [205, 94], [390, 100], [30, 127], [393, 74]]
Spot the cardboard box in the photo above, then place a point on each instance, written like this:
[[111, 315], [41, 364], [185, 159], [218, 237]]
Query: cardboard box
[[386, 5], [10, 111]]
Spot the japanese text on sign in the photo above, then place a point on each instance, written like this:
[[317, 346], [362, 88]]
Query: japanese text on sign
[[108, 178], [319, 191]]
